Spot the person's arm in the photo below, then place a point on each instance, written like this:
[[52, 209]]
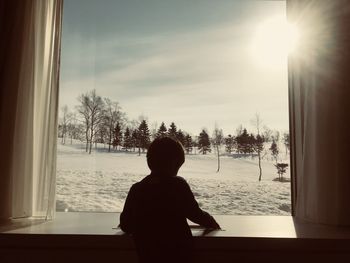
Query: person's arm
[[194, 213], [126, 217]]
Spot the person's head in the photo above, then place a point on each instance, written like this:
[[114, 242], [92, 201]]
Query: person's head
[[165, 156]]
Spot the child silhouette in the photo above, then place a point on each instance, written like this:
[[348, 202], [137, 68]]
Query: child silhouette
[[156, 208]]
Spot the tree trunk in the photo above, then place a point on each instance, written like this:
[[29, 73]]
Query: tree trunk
[[260, 170], [109, 139], [91, 137], [90, 147], [217, 149], [87, 139], [139, 151]]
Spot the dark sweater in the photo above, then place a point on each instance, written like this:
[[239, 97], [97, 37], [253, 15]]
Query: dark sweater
[[155, 213]]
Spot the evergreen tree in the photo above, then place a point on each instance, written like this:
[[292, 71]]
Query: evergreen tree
[[259, 144], [195, 144], [172, 131], [204, 142], [180, 136], [274, 150], [135, 139], [229, 144], [243, 142], [188, 145], [251, 143], [239, 130], [128, 142], [162, 131], [144, 136], [117, 136], [111, 115]]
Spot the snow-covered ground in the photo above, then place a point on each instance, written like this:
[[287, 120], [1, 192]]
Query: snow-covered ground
[[100, 182]]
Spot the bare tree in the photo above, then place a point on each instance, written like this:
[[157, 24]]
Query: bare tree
[[73, 128], [275, 136], [102, 134], [286, 141], [217, 141], [274, 150], [134, 124], [239, 130], [267, 134], [92, 110], [154, 129], [259, 140], [258, 148], [142, 118], [112, 115], [84, 112], [65, 122], [257, 122]]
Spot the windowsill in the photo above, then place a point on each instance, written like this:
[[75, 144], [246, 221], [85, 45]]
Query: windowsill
[[257, 227], [89, 237], [82, 231]]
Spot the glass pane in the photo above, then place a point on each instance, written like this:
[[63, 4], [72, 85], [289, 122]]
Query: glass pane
[[211, 73]]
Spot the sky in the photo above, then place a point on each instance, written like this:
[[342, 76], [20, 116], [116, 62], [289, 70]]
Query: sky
[[186, 61]]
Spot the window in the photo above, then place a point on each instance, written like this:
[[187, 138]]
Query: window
[[213, 75]]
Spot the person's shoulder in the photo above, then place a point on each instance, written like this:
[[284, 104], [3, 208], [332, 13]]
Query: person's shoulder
[[181, 186], [144, 181], [137, 185], [179, 180]]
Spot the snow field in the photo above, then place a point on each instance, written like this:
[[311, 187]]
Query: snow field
[[100, 182]]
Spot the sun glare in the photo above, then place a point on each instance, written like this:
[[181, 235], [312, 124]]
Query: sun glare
[[273, 41]]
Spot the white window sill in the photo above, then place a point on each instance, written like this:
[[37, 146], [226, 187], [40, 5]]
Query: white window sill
[[89, 237], [86, 223], [96, 229]]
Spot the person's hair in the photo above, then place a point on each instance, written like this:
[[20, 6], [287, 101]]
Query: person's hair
[[165, 154]]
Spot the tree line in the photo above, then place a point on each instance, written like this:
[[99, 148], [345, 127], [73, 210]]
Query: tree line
[[101, 120]]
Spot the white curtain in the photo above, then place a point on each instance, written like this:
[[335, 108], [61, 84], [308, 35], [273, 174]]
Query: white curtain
[[319, 89], [29, 102]]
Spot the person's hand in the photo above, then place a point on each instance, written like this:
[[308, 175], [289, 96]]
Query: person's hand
[[214, 225]]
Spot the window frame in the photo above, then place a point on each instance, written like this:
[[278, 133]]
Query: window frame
[[291, 150]]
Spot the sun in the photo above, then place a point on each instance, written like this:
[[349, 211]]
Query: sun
[[273, 41]]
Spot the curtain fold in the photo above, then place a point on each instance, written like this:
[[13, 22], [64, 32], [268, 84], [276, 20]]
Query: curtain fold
[[29, 102], [319, 93], [47, 30]]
